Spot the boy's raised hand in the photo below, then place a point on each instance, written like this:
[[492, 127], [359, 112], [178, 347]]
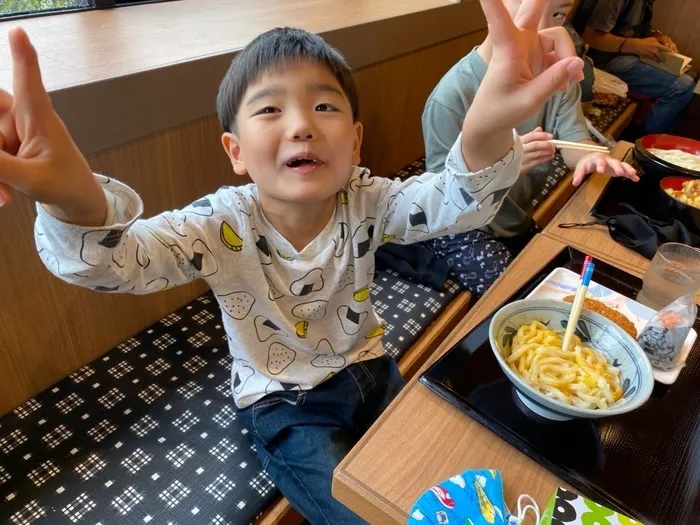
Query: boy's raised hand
[[37, 154], [526, 69]]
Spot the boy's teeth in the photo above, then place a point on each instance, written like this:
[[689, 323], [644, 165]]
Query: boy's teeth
[[298, 162]]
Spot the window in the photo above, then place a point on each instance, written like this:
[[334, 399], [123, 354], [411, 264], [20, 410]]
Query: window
[[25, 8], [17, 8]]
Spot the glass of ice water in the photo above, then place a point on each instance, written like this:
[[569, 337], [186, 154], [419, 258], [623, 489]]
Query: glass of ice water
[[674, 271]]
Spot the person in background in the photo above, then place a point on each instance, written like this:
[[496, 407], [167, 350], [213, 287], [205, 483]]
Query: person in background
[[477, 258], [619, 34]]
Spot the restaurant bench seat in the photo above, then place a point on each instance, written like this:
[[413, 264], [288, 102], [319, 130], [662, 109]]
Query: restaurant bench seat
[[148, 432]]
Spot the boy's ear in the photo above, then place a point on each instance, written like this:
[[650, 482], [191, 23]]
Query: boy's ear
[[232, 147], [357, 145]]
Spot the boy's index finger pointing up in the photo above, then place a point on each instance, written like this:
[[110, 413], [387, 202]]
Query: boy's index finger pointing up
[[501, 26], [29, 91]]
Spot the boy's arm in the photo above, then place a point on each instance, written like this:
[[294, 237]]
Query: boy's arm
[[87, 230], [133, 255], [435, 204]]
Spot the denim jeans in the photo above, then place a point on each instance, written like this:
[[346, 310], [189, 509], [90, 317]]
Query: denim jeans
[[301, 437], [672, 93]]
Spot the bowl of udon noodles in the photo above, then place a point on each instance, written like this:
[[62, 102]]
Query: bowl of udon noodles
[[660, 156], [603, 373]]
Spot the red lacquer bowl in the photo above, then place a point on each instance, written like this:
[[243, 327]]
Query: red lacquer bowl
[[689, 215], [652, 166]]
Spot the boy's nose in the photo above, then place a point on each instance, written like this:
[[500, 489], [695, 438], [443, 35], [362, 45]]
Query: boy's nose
[[303, 135], [300, 127]]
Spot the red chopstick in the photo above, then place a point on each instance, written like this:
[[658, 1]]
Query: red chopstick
[[587, 260]]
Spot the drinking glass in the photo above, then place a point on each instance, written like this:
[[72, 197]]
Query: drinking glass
[[674, 271]]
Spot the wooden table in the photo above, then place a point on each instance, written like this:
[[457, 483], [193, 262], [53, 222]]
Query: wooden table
[[595, 240], [421, 440]]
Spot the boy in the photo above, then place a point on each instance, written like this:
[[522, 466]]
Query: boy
[[478, 258], [290, 257]]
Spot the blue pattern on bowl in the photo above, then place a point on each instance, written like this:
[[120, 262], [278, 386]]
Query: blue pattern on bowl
[[597, 331]]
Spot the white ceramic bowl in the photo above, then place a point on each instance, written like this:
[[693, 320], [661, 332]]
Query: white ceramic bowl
[[602, 334]]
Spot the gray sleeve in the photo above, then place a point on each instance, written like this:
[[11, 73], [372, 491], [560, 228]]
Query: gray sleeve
[[605, 14], [570, 124], [134, 255], [441, 127]]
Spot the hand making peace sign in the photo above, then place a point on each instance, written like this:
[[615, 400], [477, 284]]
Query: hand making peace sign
[[527, 67], [37, 154]]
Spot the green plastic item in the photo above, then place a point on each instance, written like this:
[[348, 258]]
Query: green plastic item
[[568, 508]]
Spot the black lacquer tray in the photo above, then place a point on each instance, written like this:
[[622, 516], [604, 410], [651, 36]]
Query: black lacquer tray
[[644, 196], [645, 464]]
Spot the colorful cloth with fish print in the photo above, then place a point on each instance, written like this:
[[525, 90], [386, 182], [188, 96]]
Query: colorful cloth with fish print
[[474, 497], [293, 318]]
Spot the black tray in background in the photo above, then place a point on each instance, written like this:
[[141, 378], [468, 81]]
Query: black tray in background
[[645, 464], [644, 196]]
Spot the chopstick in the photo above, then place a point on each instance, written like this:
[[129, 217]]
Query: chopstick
[[588, 259], [565, 144], [607, 141], [577, 306]]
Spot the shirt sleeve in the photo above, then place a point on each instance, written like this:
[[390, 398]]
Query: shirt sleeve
[[570, 123], [605, 14], [441, 127], [133, 255], [435, 204]]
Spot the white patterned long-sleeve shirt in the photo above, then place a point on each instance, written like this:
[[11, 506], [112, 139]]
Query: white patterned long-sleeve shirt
[[293, 318]]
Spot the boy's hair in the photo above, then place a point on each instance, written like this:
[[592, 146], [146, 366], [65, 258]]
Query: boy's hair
[[274, 49]]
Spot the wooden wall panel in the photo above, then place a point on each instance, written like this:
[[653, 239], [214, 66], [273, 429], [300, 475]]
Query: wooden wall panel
[[679, 20], [48, 329], [392, 97]]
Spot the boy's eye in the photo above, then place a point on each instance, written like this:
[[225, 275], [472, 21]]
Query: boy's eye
[[267, 110], [559, 15], [325, 107]]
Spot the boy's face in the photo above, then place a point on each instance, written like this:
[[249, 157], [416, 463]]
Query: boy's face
[[295, 135], [554, 14]]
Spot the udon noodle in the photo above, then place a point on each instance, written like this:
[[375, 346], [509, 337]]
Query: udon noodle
[[678, 158], [581, 376]]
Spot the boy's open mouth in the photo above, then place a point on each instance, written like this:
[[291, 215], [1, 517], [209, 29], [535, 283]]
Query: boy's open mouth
[[303, 161]]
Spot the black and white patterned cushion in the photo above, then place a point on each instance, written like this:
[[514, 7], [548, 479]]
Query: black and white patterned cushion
[[557, 174], [145, 434], [407, 308], [602, 117], [148, 432]]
